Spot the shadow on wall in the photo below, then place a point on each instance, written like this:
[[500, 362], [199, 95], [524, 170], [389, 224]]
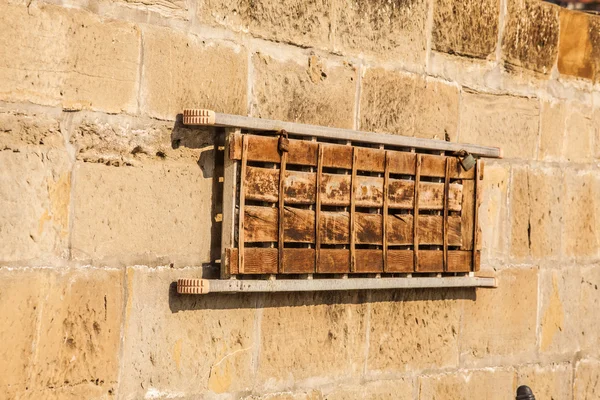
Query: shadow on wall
[[224, 301], [210, 161]]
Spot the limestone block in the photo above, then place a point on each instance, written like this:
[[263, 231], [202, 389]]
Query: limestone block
[[392, 30], [399, 389], [306, 336], [21, 297], [580, 227], [490, 384], [579, 44], [183, 71], [309, 395], [77, 352], [501, 323], [318, 92], [152, 214], [171, 8], [537, 196], [547, 382], [299, 22], [415, 330], [184, 345], [586, 385], [69, 58], [503, 121], [552, 129], [493, 212], [35, 187], [531, 35], [408, 105], [467, 27], [589, 309], [580, 131]]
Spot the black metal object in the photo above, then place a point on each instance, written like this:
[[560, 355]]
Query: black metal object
[[524, 393]]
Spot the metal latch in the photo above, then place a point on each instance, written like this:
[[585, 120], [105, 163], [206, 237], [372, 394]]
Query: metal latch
[[467, 161]]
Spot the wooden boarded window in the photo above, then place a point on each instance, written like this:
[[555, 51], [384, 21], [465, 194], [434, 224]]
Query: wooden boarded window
[[331, 208]]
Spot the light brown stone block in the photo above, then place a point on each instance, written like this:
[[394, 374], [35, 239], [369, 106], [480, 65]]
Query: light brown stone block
[[184, 345], [308, 395], [318, 92], [299, 22], [494, 384], [580, 227], [547, 382], [467, 27], [406, 104], [493, 213], [537, 196], [589, 310], [393, 30], [77, 352], [65, 57], [183, 71], [35, 188], [552, 129], [531, 35], [152, 214], [308, 336], [170, 8], [511, 123], [579, 44], [399, 389], [586, 385], [415, 330], [580, 130], [501, 323]]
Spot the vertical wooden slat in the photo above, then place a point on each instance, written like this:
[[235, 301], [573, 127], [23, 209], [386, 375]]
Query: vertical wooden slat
[[445, 219], [353, 211], [229, 202], [386, 183], [477, 202], [280, 242], [318, 206], [416, 212], [242, 201]]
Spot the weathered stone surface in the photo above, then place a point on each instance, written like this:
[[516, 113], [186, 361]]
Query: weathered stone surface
[[531, 35], [124, 215], [547, 382], [391, 30], [501, 323], [308, 336], [493, 213], [300, 22], [467, 27], [488, 384], [183, 71], [69, 58], [318, 92], [400, 389], [308, 395], [35, 187], [575, 52], [537, 195], [408, 105], [511, 123], [178, 345], [21, 295], [77, 352], [415, 330], [552, 130], [586, 385], [580, 227], [580, 131], [589, 309], [171, 8], [560, 320]]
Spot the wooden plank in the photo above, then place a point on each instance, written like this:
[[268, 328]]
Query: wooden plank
[[261, 225], [262, 184], [303, 152], [467, 215], [243, 172], [281, 208], [384, 211], [416, 212], [230, 169], [318, 206], [476, 229], [264, 260], [445, 215], [353, 211]]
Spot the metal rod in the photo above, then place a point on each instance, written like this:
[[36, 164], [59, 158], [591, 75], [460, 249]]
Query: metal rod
[[203, 286]]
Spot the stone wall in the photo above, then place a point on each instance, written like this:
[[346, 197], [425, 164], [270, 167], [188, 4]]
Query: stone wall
[[105, 199]]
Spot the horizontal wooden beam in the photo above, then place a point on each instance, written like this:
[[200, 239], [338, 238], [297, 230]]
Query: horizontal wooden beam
[[204, 286], [211, 118]]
